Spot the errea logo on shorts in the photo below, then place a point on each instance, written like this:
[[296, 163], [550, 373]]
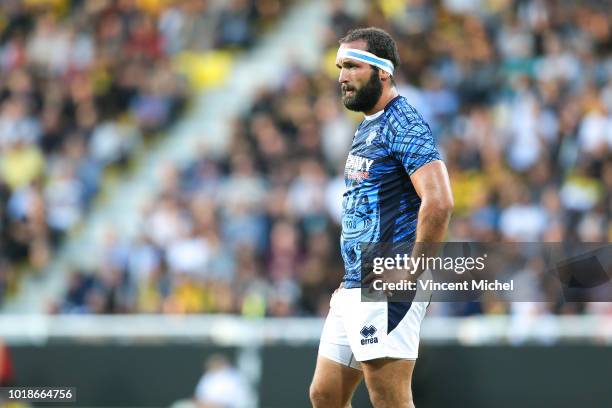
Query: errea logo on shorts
[[367, 332]]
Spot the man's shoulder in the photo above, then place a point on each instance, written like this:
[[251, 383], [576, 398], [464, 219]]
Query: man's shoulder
[[402, 119]]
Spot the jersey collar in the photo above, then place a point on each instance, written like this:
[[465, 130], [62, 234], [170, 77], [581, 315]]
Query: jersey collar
[[380, 112], [374, 115]]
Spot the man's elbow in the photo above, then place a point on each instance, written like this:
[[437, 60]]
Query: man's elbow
[[447, 205], [441, 205]]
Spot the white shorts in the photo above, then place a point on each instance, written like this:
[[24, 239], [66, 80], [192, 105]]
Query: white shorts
[[359, 331]]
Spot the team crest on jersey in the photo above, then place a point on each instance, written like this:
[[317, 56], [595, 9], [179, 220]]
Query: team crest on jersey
[[371, 138]]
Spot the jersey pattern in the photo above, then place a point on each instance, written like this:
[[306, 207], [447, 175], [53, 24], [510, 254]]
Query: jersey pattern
[[380, 203]]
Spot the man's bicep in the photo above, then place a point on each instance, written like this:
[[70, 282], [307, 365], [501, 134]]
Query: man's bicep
[[415, 147], [431, 182]]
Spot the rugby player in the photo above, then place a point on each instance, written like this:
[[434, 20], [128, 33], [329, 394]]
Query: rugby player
[[397, 190]]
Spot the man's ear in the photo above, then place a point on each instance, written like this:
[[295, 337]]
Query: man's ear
[[383, 75]]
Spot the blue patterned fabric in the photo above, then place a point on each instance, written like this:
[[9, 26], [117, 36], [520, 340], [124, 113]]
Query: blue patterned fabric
[[380, 203]]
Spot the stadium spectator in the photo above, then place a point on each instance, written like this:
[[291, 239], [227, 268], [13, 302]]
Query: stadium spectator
[[518, 94], [6, 366], [83, 85], [222, 385]]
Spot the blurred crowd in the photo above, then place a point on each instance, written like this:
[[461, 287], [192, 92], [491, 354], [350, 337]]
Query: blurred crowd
[[518, 95], [83, 86]]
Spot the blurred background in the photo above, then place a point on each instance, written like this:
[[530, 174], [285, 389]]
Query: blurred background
[[171, 175]]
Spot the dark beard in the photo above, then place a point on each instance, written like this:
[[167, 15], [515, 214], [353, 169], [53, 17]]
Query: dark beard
[[365, 98]]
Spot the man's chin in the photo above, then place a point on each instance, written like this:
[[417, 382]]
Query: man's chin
[[349, 103]]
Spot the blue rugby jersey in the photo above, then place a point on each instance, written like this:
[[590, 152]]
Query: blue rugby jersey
[[380, 203]]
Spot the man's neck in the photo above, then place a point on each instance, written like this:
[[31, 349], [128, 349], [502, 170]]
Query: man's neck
[[386, 97]]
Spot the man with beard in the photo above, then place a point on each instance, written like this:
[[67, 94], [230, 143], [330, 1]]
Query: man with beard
[[397, 190]]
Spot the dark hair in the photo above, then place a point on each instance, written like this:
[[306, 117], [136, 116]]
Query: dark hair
[[378, 41]]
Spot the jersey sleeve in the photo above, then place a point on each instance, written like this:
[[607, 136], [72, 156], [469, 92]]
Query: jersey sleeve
[[414, 146]]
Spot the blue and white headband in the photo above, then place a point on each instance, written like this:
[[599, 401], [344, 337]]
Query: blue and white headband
[[367, 57]]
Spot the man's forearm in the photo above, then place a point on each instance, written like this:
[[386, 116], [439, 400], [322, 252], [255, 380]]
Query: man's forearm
[[432, 222]]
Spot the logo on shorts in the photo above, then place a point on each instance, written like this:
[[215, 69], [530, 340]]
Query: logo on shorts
[[367, 332]]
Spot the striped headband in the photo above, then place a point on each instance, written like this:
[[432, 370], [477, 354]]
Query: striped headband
[[367, 57]]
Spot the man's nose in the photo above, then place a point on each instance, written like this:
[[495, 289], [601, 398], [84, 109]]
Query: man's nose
[[343, 77]]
